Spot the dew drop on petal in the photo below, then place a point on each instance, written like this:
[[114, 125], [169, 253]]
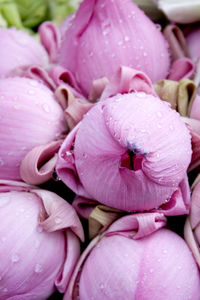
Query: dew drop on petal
[[38, 268], [68, 153], [127, 38], [39, 229], [159, 125], [159, 114], [45, 107], [15, 258], [31, 92], [151, 270], [33, 83], [58, 220]]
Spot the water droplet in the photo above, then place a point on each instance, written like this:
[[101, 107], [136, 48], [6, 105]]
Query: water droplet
[[159, 114], [141, 95], [33, 83], [143, 130], [1, 162], [144, 54], [106, 31], [91, 54], [15, 257], [101, 286], [127, 38], [120, 43], [45, 107], [31, 92], [16, 106], [126, 254], [165, 251], [58, 220], [38, 268], [39, 229], [1, 97], [151, 270], [162, 55], [113, 55], [178, 287], [179, 267], [68, 153], [5, 290], [120, 21]]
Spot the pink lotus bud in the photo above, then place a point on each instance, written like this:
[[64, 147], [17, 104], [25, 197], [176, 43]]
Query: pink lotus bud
[[135, 260], [29, 116], [39, 242], [105, 35], [18, 48], [124, 152]]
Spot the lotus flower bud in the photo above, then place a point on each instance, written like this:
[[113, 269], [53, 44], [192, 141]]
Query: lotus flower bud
[[18, 48], [29, 116], [128, 154], [107, 34], [39, 242], [131, 261]]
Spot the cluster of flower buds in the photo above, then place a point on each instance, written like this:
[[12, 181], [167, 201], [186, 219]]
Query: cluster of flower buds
[[100, 150]]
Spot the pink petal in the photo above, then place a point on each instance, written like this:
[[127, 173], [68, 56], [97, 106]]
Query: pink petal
[[128, 80], [38, 165], [51, 39], [104, 36], [18, 48], [181, 68]]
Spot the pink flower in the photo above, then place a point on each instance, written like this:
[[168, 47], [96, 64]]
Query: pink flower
[[29, 117], [18, 48], [105, 35], [131, 151], [39, 242], [135, 260]]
